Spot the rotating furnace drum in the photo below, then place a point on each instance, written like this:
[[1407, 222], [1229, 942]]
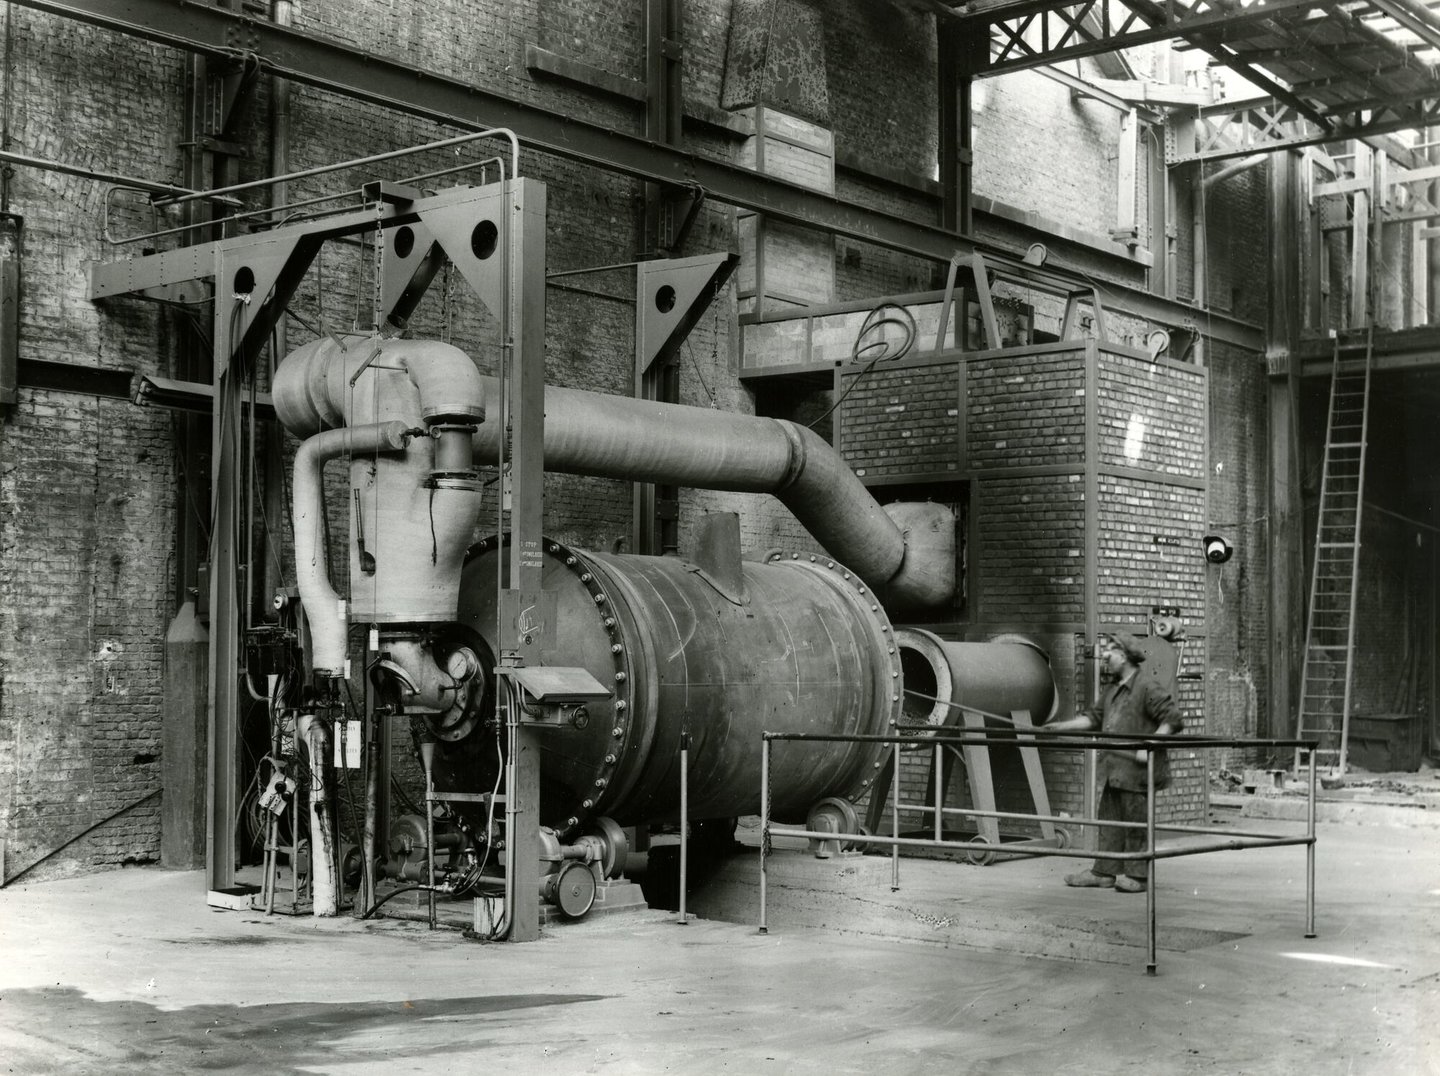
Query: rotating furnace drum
[[801, 645]]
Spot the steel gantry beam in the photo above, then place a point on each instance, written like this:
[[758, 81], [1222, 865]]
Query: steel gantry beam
[[1263, 125], [394, 84]]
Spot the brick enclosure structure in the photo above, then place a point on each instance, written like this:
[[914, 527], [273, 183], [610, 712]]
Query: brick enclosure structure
[[93, 490], [1081, 472]]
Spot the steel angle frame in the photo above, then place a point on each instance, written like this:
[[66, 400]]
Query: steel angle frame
[[254, 277], [393, 84]]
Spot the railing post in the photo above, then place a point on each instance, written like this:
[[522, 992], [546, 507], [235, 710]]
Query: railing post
[[1150, 966], [939, 791], [895, 816], [1310, 854], [684, 818], [764, 820]]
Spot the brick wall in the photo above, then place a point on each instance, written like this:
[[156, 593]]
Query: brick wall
[[1138, 565], [1029, 566], [1068, 144], [1150, 415], [1237, 676], [86, 484], [902, 420], [1026, 410]]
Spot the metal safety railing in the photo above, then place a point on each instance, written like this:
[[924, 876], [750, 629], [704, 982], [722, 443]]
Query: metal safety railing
[[1053, 741], [284, 213]]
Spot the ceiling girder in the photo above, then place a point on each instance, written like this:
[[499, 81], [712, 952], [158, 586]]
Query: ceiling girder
[[1030, 36], [360, 75], [1262, 125]]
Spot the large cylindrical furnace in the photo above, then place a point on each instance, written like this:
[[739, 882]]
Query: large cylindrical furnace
[[795, 644]]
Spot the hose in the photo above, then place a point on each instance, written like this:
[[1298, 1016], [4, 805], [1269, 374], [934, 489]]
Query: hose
[[875, 321], [393, 894]]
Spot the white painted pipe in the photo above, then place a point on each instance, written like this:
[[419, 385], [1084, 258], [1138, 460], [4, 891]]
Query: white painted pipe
[[324, 892], [317, 595]]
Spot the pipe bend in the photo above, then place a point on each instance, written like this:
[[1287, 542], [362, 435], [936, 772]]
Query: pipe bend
[[313, 388], [318, 596]]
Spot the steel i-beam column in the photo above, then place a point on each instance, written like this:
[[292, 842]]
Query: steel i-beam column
[[525, 318]]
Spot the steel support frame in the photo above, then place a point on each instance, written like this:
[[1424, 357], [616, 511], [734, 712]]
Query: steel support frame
[[1054, 32], [1263, 125], [670, 297], [393, 84], [254, 277]]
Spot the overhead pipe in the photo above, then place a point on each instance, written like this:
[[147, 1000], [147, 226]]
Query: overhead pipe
[[590, 433], [606, 436]]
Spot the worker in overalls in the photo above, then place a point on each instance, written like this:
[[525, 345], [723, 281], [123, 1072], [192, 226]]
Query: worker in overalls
[[1130, 705]]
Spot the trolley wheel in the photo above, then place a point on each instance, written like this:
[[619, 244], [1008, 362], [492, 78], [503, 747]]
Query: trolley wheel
[[831, 815], [617, 846], [858, 846], [573, 890], [980, 857], [1062, 837]]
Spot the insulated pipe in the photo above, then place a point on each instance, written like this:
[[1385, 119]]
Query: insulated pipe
[[332, 382], [314, 733], [321, 602], [608, 436]]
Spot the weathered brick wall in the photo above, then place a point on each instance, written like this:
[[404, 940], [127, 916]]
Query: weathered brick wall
[[1030, 567], [1039, 145], [86, 505], [1026, 410], [86, 484], [1237, 675], [901, 420]]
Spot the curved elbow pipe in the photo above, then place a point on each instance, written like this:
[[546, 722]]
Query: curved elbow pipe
[[332, 381], [606, 436], [320, 600]]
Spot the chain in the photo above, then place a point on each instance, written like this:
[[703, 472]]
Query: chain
[[445, 305], [378, 298]]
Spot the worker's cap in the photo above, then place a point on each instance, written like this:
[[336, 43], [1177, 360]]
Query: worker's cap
[[1128, 643]]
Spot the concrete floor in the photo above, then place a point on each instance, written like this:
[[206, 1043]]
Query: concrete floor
[[966, 969]]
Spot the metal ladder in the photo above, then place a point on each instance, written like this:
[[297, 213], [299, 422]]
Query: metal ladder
[[1328, 673]]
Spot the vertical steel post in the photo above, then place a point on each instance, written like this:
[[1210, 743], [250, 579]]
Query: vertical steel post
[[1310, 854], [939, 791], [1150, 966], [223, 747], [430, 845], [895, 817], [524, 249], [684, 818], [764, 820]]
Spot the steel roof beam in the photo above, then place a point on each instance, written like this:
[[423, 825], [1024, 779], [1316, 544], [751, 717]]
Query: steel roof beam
[[1261, 125], [393, 84]]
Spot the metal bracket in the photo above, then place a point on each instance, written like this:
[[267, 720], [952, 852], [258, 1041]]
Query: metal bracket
[[671, 295]]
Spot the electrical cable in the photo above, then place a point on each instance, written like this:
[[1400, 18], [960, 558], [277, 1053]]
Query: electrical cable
[[875, 321], [84, 832], [392, 895]]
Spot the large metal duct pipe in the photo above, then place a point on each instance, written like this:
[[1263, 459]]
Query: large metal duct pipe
[[607, 436], [799, 645], [999, 677]]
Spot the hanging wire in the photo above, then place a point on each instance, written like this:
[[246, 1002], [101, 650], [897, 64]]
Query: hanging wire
[[883, 348]]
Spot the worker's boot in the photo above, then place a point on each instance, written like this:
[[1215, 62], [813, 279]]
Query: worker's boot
[[1089, 879]]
